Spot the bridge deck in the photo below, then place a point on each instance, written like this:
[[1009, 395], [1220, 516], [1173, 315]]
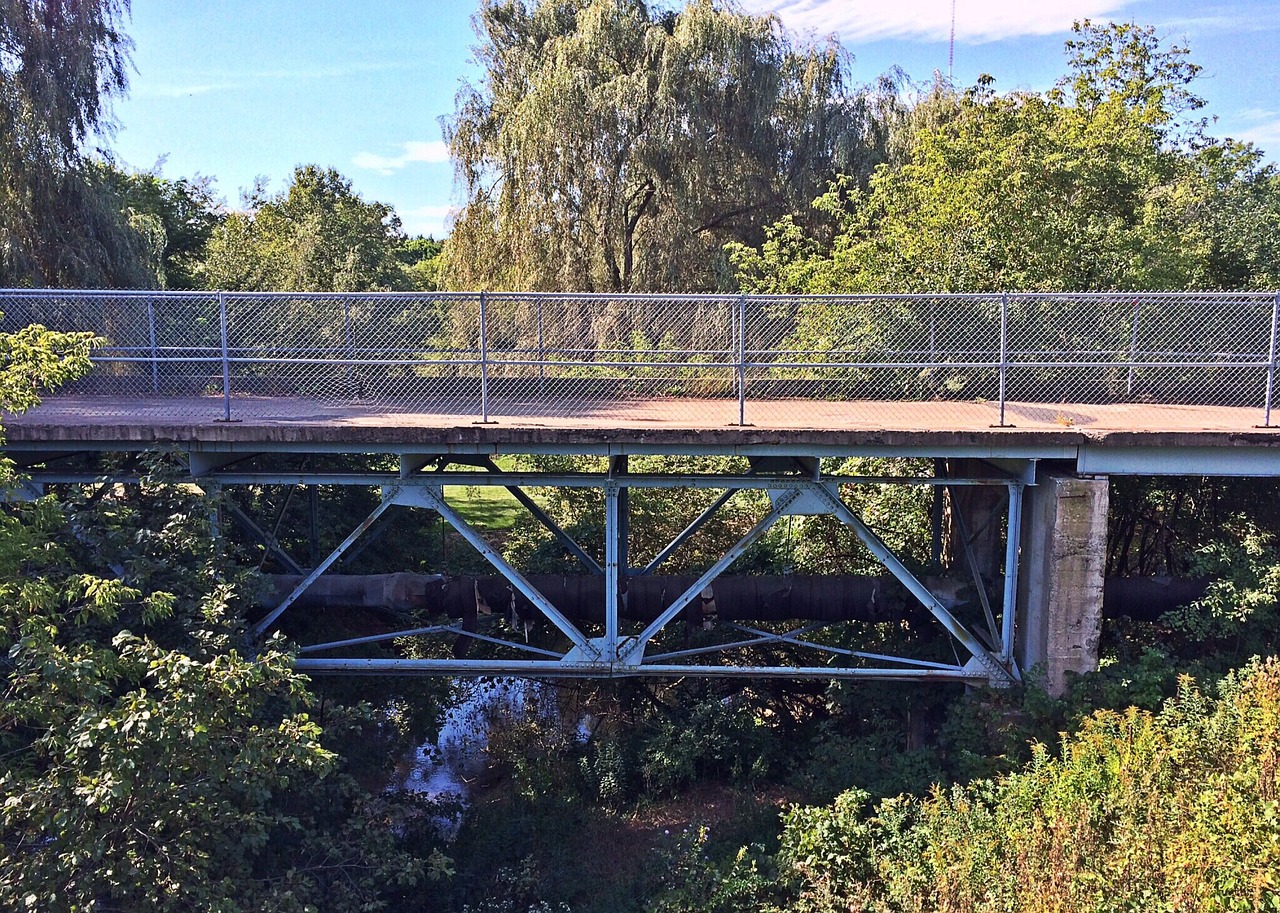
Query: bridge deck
[[1181, 438], [680, 415]]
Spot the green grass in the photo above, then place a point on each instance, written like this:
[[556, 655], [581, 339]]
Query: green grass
[[486, 507]]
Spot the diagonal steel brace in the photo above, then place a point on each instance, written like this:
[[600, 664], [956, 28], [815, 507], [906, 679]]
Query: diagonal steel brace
[[636, 645], [387, 501], [909, 580], [433, 499]]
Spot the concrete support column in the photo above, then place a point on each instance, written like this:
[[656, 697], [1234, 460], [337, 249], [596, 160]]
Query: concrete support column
[[1063, 559]]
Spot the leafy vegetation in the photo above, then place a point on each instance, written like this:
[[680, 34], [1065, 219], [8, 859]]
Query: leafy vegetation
[[1138, 811], [155, 757], [616, 146], [1102, 183]]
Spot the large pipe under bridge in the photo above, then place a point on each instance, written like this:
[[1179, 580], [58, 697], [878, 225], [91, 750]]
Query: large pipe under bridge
[[637, 624], [629, 620]]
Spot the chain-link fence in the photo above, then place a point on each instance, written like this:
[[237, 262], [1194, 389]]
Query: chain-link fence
[[1178, 360]]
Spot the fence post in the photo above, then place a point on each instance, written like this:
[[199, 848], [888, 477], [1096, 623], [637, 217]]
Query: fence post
[[541, 354], [1271, 358], [151, 331], [226, 361], [484, 360], [1004, 351], [742, 359], [1133, 349], [348, 344]]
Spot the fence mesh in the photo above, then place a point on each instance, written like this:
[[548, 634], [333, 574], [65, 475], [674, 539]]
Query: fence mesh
[[925, 361]]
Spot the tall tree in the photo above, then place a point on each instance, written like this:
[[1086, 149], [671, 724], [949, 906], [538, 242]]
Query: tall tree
[[315, 235], [614, 146], [176, 216], [60, 64], [1106, 182]]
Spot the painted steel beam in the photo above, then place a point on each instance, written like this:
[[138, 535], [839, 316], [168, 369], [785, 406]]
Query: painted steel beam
[[684, 535], [790, 638], [891, 561], [975, 574], [763, 637], [1239, 460], [320, 568], [378, 638], [427, 631], [430, 498], [636, 647], [508, 479], [1013, 539], [612, 547], [270, 542], [555, 670], [545, 519]]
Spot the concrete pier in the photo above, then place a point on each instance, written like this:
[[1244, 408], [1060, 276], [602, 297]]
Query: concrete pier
[[1063, 560]]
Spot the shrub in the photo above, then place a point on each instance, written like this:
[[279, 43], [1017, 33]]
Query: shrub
[[1138, 811]]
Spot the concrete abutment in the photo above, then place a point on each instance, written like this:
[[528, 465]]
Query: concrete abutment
[[1060, 585]]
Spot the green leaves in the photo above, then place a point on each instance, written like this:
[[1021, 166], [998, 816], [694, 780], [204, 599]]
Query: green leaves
[[1100, 184], [35, 358], [146, 775], [616, 147], [316, 235], [1138, 811]]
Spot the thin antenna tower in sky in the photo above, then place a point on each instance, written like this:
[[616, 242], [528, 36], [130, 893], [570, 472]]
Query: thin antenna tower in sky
[[951, 51]]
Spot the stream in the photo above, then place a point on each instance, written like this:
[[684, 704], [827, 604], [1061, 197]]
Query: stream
[[454, 767]]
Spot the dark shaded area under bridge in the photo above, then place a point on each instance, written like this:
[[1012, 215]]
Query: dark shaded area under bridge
[[827, 598]]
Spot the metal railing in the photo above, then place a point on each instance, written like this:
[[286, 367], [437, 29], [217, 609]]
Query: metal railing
[[699, 359]]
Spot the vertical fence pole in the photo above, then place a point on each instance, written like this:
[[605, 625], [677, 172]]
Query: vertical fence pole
[[1133, 349], [151, 330], [484, 360], [742, 359], [226, 361], [933, 332], [1004, 351], [1271, 359], [348, 343], [541, 355]]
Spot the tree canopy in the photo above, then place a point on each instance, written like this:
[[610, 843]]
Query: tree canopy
[[616, 146], [60, 224], [315, 235], [1105, 182]]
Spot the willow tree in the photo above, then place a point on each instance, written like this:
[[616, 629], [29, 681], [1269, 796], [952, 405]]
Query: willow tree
[[60, 64], [613, 146]]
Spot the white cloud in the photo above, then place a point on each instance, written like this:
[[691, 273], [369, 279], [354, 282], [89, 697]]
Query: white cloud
[[1264, 134], [426, 220], [413, 151], [976, 20], [1217, 18], [199, 82], [337, 71], [1253, 115]]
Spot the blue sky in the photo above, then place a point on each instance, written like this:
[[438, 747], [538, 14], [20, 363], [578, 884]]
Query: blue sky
[[234, 89]]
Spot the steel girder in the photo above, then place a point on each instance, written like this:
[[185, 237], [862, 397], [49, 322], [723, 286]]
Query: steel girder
[[616, 648]]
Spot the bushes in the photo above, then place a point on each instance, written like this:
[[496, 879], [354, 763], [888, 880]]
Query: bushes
[[1138, 811]]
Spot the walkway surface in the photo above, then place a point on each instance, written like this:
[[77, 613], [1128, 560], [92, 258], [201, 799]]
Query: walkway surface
[[103, 419]]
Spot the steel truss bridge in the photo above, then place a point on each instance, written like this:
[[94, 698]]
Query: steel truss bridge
[[424, 392]]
